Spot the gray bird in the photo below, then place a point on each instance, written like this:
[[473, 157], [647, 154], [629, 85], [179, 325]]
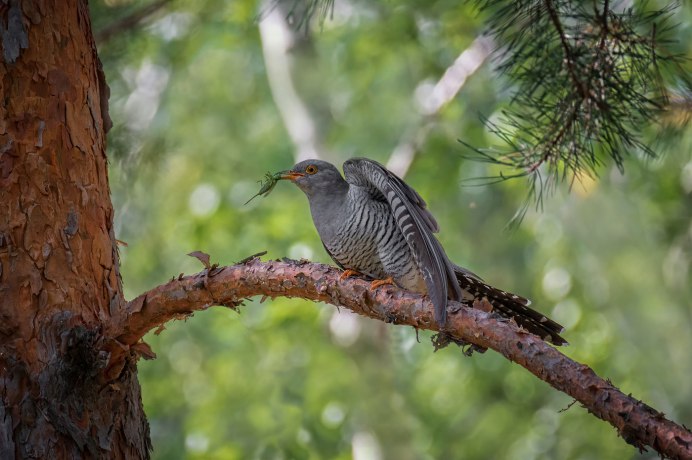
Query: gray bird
[[374, 224]]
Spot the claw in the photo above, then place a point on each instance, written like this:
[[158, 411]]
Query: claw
[[349, 273], [377, 283]]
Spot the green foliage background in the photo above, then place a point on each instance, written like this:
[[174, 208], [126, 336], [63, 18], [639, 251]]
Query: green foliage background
[[195, 128]]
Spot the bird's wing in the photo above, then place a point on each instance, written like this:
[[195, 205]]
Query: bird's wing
[[416, 224]]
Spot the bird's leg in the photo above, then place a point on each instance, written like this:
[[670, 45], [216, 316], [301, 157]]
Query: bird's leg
[[349, 273], [378, 283]]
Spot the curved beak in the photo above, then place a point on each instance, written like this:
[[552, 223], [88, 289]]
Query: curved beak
[[289, 175]]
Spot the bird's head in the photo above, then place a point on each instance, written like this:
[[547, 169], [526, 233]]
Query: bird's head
[[315, 177]]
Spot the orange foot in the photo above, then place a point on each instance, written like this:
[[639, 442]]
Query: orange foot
[[378, 283], [349, 273]]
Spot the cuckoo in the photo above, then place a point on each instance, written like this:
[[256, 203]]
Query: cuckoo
[[373, 223]]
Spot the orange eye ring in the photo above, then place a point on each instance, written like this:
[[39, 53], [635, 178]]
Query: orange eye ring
[[311, 169]]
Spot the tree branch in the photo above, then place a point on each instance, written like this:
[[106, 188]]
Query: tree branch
[[569, 54], [278, 39], [446, 88], [588, 78], [128, 22], [637, 423]]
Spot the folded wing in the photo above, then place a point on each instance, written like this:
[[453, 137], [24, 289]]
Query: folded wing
[[416, 224]]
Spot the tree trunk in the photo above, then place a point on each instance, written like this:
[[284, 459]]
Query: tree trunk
[[67, 392]]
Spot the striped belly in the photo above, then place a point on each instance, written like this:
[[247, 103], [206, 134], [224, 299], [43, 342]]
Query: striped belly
[[370, 242], [355, 247]]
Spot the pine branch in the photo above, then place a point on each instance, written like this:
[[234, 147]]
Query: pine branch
[[587, 81], [130, 21], [637, 423]]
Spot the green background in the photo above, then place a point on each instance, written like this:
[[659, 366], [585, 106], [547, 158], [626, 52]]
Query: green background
[[196, 126]]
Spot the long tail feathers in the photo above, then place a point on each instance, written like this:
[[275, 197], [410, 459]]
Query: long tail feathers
[[511, 306]]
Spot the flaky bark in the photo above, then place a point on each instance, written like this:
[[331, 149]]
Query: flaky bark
[[636, 422], [59, 278]]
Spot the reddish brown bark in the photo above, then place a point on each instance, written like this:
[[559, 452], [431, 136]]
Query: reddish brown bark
[[636, 422], [59, 279]]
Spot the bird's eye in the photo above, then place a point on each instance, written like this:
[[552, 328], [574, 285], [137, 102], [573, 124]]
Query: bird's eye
[[311, 169]]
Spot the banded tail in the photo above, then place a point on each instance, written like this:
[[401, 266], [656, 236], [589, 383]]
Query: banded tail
[[511, 306]]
